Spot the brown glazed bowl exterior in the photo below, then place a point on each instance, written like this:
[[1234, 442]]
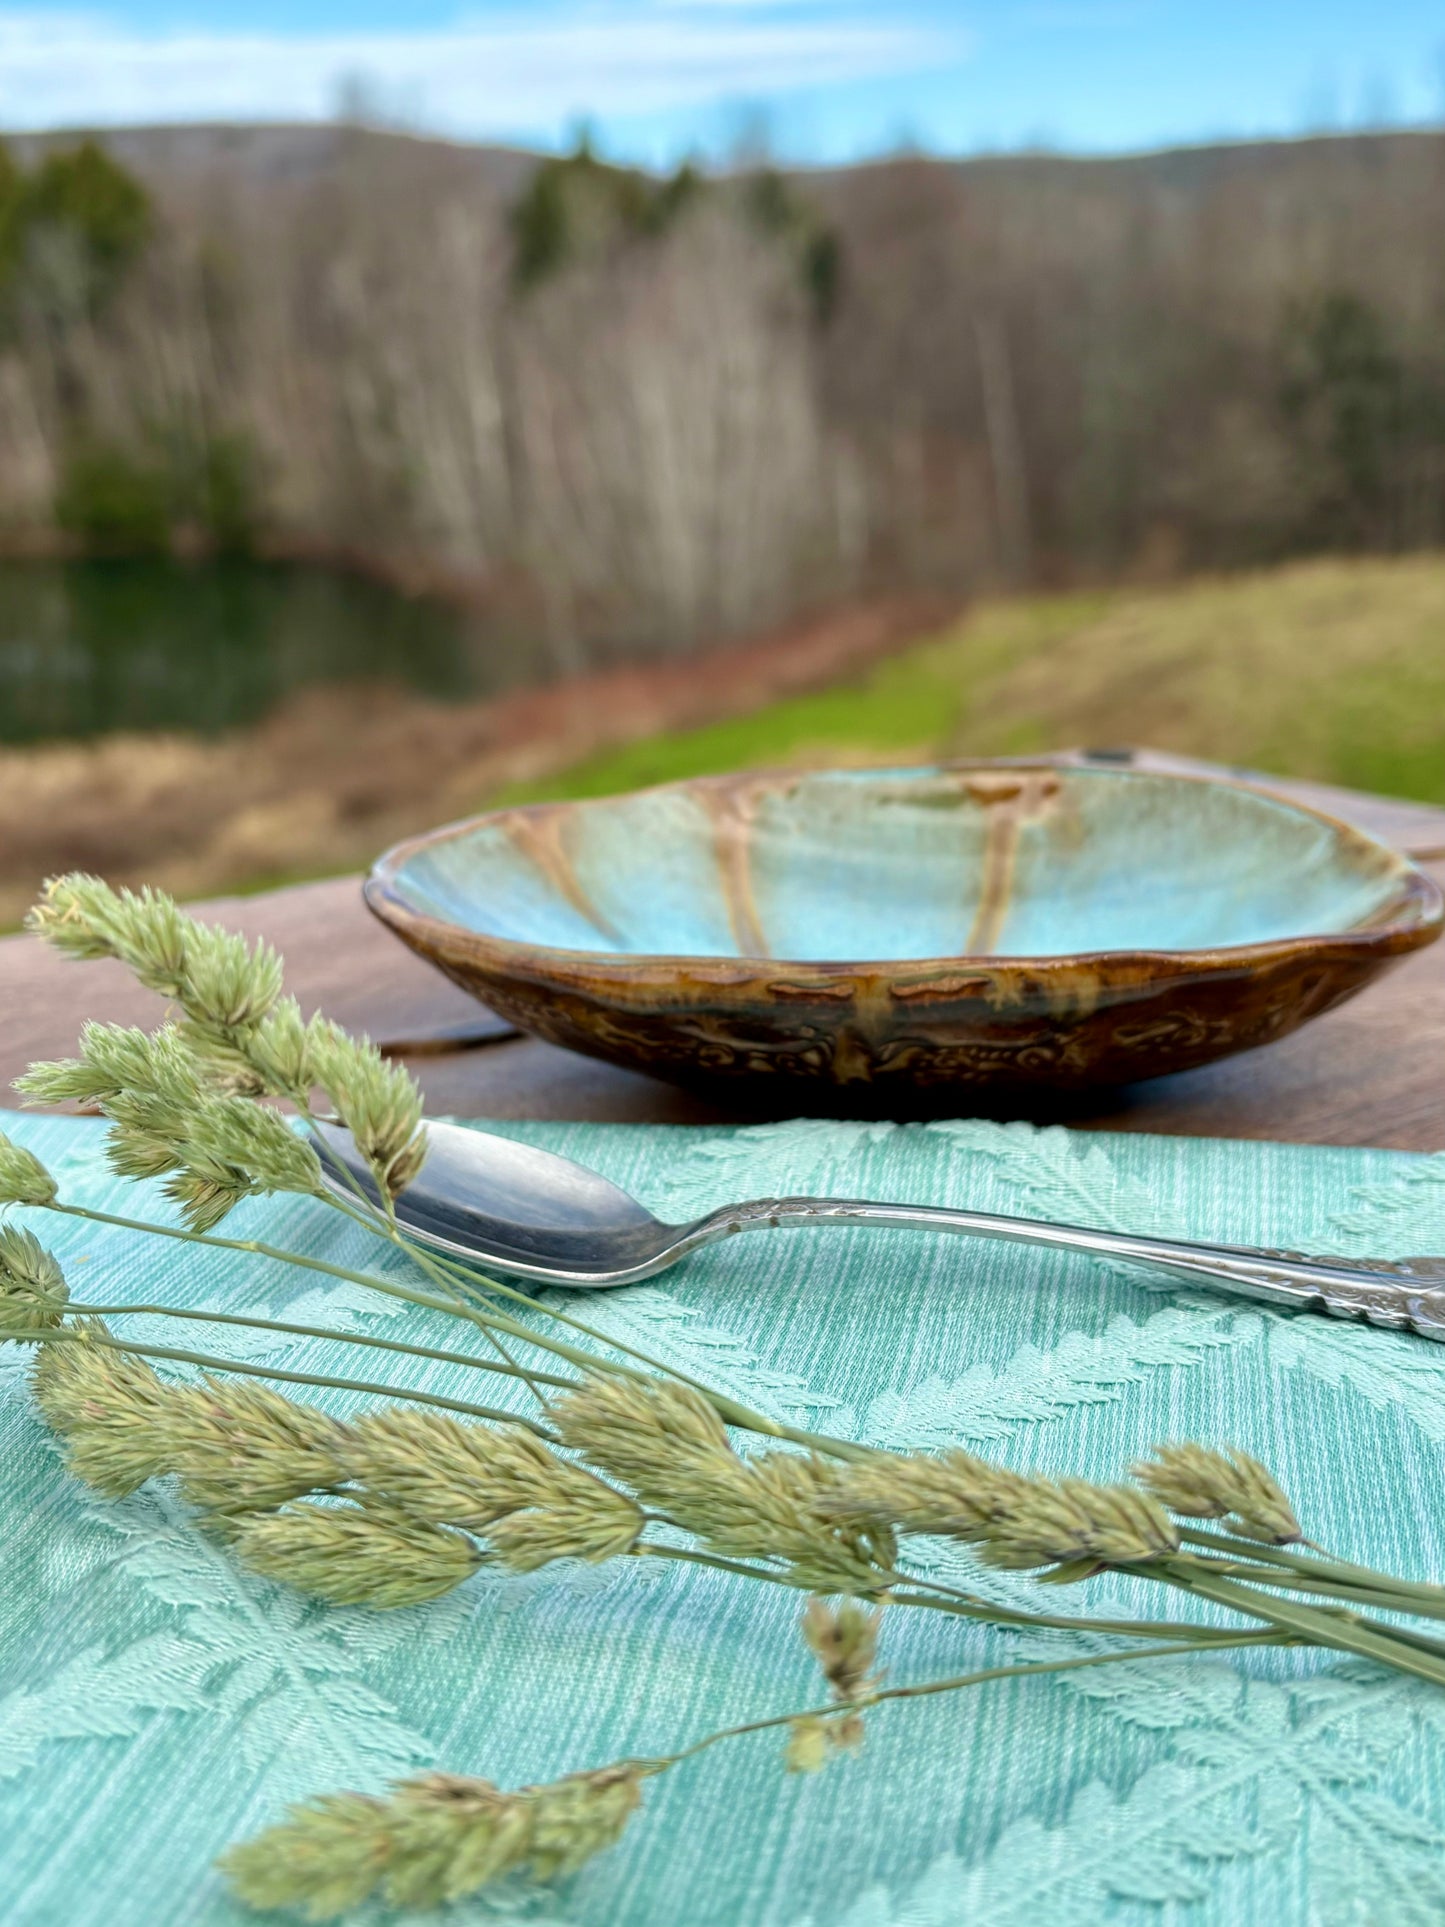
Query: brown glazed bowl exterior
[[977, 1021]]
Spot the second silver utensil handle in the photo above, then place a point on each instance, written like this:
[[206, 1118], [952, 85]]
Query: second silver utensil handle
[[1405, 1294]]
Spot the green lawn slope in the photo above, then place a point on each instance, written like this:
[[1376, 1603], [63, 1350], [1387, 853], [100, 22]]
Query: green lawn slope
[[1333, 670]]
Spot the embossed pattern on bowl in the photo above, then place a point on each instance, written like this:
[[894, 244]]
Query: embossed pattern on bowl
[[980, 924]]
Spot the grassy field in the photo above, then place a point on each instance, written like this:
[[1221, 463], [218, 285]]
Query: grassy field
[[1332, 670]]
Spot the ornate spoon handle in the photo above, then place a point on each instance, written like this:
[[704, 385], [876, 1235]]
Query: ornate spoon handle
[[1406, 1294]]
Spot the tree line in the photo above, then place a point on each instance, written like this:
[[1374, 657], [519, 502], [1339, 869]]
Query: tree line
[[648, 412]]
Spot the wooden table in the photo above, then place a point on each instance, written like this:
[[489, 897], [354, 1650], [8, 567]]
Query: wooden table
[[1370, 1073]]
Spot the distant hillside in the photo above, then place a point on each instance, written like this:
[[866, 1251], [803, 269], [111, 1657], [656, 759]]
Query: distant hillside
[[167, 158], [308, 151], [637, 412]]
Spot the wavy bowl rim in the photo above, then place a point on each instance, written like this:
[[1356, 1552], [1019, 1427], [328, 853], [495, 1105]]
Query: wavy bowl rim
[[1418, 892]]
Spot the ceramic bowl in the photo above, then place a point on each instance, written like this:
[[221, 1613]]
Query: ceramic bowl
[[978, 925]]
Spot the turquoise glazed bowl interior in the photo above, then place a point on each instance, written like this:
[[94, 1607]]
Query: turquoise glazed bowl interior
[[981, 923]]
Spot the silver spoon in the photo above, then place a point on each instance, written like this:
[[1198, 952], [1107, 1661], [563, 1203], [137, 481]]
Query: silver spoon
[[531, 1214]]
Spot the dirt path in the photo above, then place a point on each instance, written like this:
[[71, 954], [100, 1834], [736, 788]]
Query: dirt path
[[335, 775]]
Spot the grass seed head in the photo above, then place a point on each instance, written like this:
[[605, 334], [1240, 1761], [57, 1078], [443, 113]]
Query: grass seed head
[[667, 1443], [844, 1641], [234, 1444], [115, 1058], [23, 1178], [430, 1841], [636, 1428], [1197, 1482], [953, 1495], [220, 982], [33, 1291], [238, 1445], [378, 1102], [590, 1528], [229, 1136], [278, 1051], [109, 1407], [816, 1738], [499, 1480], [84, 918], [1019, 1519], [366, 1553], [227, 986], [1066, 1520], [459, 1474], [807, 1747]]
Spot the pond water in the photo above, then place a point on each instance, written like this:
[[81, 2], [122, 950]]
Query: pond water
[[88, 647]]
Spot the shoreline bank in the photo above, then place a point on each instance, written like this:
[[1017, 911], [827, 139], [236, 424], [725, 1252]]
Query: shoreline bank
[[336, 773]]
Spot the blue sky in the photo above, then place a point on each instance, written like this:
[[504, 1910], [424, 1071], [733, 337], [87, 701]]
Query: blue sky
[[656, 79]]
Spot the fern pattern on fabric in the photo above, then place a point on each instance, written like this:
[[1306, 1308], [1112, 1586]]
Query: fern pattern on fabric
[[156, 1703]]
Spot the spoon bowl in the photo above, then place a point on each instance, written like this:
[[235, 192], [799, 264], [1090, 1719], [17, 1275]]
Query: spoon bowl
[[520, 1210]]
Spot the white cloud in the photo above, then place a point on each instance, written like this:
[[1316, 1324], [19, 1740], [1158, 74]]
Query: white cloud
[[623, 57]]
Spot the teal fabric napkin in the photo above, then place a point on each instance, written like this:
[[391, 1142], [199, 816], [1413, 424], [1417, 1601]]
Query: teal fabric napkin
[[157, 1703]]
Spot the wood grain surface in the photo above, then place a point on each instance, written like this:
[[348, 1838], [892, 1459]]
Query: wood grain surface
[[1372, 1072]]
